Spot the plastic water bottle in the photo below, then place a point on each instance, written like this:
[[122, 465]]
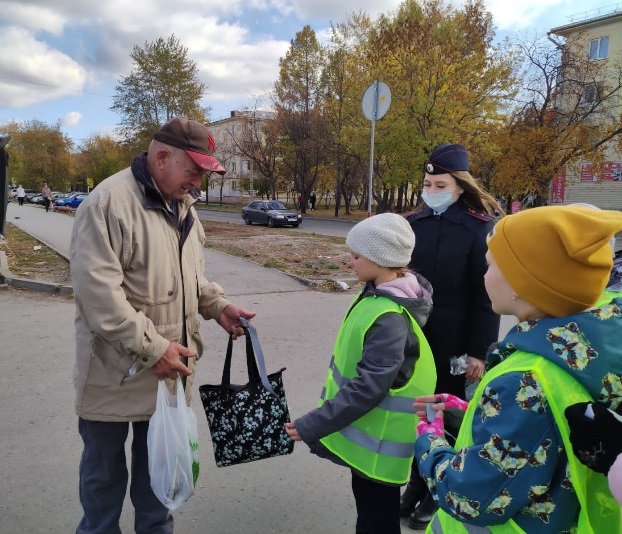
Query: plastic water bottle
[[458, 365]]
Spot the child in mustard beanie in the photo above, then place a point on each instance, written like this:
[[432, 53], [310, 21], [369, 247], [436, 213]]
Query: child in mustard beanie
[[512, 464]]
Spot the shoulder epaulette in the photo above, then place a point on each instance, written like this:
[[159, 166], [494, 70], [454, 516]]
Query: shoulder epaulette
[[482, 216]]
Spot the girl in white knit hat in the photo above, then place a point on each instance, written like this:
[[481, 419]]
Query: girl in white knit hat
[[381, 362]]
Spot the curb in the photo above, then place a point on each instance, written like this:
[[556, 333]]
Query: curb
[[8, 279], [304, 281]]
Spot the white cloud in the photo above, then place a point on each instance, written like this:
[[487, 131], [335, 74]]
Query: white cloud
[[32, 17], [336, 11], [59, 48], [72, 118], [33, 71], [520, 15]]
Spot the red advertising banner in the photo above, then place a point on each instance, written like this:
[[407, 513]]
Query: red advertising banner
[[558, 187], [609, 172]]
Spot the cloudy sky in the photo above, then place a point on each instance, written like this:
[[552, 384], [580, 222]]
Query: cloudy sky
[[61, 59]]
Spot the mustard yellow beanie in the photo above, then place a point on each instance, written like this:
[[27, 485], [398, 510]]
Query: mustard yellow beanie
[[557, 258]]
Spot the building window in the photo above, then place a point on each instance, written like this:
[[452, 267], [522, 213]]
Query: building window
[[246, 167], [233, 166], [599, 48], [592, 93], [234, 128], [234, 186]]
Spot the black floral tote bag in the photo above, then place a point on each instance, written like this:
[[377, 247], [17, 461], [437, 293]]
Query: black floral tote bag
[[247, 422]]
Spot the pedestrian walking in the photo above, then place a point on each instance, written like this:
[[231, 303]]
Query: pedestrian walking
[[380, 360], [451, 226], [46, 193], [511, 469], [20, 194], [137, 271], [312, 200]]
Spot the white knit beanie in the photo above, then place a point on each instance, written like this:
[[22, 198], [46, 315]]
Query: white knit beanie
[[386, 239]]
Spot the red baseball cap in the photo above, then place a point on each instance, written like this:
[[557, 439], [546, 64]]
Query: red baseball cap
[[194, 138]]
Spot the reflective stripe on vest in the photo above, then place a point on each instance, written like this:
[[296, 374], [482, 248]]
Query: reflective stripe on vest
[[380, 444], [599, 512]]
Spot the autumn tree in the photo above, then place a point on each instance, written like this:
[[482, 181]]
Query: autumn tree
[[344, 79], [448, 81], [261, 143], [163, 84], [567, 110], [38, 153], [297, 97], [100, 156]]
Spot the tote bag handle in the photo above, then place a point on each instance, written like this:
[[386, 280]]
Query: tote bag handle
[[254, 356]]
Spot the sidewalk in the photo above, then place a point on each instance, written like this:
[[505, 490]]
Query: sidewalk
[[54, 230], [40, 446]]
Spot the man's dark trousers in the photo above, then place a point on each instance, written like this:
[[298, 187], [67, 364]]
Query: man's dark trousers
[[103, 480]]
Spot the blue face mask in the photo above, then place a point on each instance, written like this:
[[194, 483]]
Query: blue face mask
[[439, 202]]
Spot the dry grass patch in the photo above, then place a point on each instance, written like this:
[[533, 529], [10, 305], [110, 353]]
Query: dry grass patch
[[311, 256], [29, 258]]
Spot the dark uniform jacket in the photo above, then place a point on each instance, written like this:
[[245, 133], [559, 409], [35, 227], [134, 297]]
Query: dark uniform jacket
[[450, 252]]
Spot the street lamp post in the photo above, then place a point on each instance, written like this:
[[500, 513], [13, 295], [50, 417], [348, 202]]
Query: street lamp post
[[4, 180]]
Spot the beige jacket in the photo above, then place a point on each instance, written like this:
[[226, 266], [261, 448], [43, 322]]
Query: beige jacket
[[131, 289]]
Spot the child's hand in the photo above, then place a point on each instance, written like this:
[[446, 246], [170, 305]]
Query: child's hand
[[290, 428], [440, 401], [435, 427]]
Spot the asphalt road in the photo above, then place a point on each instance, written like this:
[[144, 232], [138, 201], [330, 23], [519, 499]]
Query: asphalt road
[[40, 446], [310, 225]]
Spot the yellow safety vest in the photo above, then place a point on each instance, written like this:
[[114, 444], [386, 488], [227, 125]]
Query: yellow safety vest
[[600, 512], [381, 443]]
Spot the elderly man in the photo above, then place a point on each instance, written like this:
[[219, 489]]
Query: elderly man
[[137, 270]]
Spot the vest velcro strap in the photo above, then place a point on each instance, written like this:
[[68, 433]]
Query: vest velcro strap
[[385, 447]]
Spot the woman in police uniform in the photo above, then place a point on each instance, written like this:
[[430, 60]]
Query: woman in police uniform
[[450, 229]]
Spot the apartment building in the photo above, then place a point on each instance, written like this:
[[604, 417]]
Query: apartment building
[[598, 35], [229, 134]]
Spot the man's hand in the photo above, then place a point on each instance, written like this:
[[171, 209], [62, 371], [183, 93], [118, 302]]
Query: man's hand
[[170, 364], [230, 319]]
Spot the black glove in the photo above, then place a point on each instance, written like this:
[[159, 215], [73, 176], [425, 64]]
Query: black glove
[[596, 442]]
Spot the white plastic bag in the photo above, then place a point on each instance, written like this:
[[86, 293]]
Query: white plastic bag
[[172, 444]]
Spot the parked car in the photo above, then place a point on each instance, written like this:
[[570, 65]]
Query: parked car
[[270, 212], [70, 202], [30, 194]]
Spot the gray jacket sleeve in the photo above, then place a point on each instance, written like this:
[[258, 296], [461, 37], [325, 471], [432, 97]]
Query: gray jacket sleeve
[[384, 348]]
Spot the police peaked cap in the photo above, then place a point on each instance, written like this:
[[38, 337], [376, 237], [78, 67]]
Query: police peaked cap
[[446, 159]]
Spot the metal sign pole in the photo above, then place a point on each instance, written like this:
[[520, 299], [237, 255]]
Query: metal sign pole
[[375, 104], [371, 167], [4, 181]]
